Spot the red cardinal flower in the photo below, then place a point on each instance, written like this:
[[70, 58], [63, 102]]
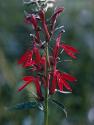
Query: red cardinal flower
[[27, 59], [37, 55], [57, 12], [28, 80], [57, 46], [42, 17], [31, 19], [61, 79], [54, 83], [68, 77], [56, 50], [36, 81], [44, 65], [71, 51]]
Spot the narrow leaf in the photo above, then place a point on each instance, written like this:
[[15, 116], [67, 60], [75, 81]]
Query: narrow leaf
[[61, 106], [24, 106]]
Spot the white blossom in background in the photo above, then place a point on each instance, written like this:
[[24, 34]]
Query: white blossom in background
[[91, 115], [49, 4], [32, 1], [46, 3]]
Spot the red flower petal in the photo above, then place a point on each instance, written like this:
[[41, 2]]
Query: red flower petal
[[27, 79], [23, 86], [37, 39], [38, 88], [42, 17], [68, 77], [29, 62], [32, 20], [55, 15], [44, 82], [70, 50], [43, 60], [24, 57], [70, 54], [56, 48], [46, 31], [53, 86], [43, 63], [67, 86], [37, 55], [59, 80]]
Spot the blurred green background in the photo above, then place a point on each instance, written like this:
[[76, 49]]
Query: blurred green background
[[78, 20]]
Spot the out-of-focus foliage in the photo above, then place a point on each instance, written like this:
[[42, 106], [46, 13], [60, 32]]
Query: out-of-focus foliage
[[78, 19]]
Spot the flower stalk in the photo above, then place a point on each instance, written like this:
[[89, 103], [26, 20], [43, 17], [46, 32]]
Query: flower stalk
[[43, 66], [46, 89]]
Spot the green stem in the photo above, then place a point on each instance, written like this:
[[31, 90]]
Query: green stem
[[46, 109], [46, 90]]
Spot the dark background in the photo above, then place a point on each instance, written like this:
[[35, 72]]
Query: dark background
[[78, 20]]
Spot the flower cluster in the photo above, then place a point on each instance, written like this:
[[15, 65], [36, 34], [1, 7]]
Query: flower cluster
[[40, 63]]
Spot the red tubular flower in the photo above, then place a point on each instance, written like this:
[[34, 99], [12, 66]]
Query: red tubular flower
[[70, 50], [59, 82], [38, 88], [57, 45], [54, 82], [43, 61], [37, 55], [44, 82], [28, 80], [32, 20], [54, 17], [42, 17], [68, 77], [44, 65], [26, 59], [61, 79], [56, 50], [57, 12]]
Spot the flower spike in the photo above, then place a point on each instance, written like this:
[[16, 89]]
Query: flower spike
[[39, 60]]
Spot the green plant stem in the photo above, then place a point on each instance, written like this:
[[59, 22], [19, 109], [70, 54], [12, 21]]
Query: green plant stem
[[46, 90], [46, 109]]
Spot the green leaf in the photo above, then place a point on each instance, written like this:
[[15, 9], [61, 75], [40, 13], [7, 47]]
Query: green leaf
[[61, 106], [24, 106]]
